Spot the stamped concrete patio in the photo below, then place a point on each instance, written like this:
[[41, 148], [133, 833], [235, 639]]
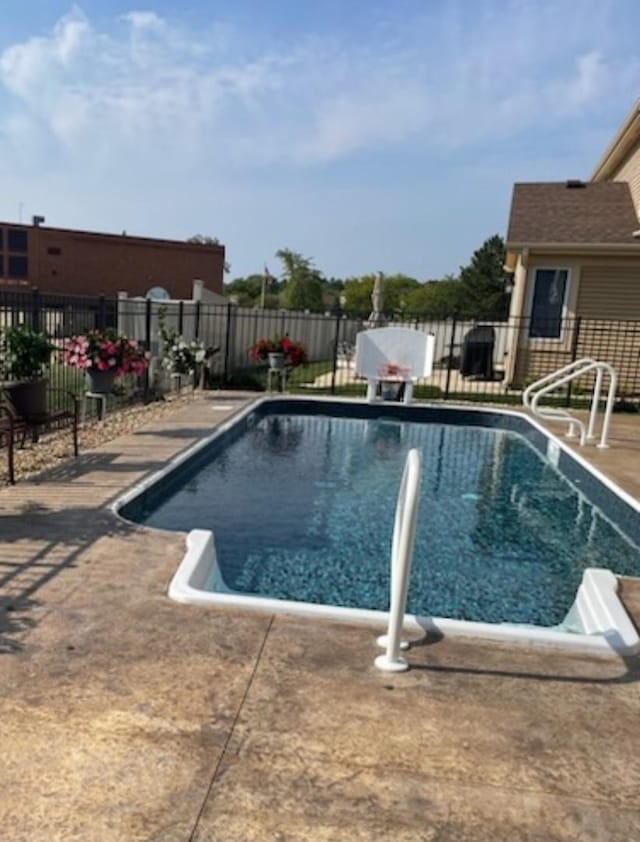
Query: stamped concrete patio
[[125, 716]]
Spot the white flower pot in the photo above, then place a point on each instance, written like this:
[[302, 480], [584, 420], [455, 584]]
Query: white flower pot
[[276, 361]]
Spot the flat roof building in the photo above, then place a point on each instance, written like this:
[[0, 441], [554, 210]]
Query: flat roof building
[[61, 260]]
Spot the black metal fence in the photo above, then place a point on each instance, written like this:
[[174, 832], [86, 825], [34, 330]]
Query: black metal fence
[[488, 361]]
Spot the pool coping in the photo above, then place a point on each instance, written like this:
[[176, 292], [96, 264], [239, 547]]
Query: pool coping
[[597, 608]]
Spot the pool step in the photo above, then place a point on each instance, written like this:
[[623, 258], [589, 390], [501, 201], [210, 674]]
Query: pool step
[[599, 610]]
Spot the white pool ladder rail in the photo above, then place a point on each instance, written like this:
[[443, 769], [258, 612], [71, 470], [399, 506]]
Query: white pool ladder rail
[[404, 538], [532, 394]]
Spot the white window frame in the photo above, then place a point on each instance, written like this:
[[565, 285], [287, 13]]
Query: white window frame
[[549, 340]]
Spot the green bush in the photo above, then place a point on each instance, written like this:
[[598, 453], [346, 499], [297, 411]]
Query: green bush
[[26, 354]]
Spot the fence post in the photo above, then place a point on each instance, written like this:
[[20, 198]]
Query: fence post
[[101, 313], [227, 342], [196, 328], [35, 309], [450, 357], [336, 344], [574, 355], [147, 341]]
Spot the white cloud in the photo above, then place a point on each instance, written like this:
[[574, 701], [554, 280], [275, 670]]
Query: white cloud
[[151, 108], [316, 101], [144, 20]]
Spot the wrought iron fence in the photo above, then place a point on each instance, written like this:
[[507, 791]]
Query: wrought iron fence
[[487, 360]]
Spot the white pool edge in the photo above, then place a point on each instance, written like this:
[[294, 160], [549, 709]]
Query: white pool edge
[[597, 607]]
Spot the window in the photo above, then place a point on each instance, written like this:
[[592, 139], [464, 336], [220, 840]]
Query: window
[[1, 237], [17, 239], [18, 266], [549, 294], [1, 266]]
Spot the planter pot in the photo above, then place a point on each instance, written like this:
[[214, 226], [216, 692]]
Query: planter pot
[[276, 362], [100, 382], [29, 397]]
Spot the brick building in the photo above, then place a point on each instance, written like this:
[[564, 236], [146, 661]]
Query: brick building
[[84, 263]]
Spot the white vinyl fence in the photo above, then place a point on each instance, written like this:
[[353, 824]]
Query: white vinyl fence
[[234, 329]]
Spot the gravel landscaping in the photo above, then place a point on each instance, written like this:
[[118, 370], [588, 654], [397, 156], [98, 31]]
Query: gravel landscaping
[[54, 447]]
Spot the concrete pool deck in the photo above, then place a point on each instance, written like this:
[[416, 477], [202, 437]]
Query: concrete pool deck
[[125, 716]]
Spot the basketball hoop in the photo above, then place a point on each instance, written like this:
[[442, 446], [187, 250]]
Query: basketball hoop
[[393, 373]]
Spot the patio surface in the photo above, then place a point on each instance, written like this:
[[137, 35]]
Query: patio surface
[[125, 716]]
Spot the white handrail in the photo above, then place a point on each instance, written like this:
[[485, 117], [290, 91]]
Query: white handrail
[[554, 413], [554, 374], [532, 394], [404, 536]]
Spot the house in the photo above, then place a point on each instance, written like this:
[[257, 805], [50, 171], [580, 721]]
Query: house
[[59, 260], [574, 250]]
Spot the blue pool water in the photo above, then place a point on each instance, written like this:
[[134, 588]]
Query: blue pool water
[[302, 508]]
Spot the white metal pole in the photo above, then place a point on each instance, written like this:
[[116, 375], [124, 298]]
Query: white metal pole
[[404, 535], [611, 397], [595, 400]]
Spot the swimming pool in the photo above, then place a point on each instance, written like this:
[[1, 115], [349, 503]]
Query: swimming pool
[[300, 496]]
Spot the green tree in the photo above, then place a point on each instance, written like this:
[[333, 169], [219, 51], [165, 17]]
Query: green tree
[[483, 282], [357, 295], [395, 294], [209, 241], [437, 299], [248, 291], [303, 283]]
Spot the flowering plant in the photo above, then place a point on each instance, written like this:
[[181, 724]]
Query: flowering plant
[[178, 355], [104, 350], [294, 352], [181, 357]]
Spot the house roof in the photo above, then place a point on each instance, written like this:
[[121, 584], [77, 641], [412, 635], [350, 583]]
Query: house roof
[[557, 213], [626, 139]]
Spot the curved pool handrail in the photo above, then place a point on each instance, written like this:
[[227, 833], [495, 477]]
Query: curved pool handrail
[[548, 378], [402, 545], [532, 394]]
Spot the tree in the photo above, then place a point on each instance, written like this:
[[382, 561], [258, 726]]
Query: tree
[[200, 239], [357, 295], [303, 283], [247, 292], [483, 282], [395, 295], [396, 292], [437, 299]]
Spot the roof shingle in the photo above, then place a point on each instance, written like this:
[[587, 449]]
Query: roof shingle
[[551, 212]]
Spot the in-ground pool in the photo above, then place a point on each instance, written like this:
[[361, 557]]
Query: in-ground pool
[[300, 496]]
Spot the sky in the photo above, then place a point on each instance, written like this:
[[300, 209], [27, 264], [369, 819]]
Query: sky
[[369, 136]]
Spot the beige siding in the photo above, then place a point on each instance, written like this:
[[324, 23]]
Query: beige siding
[[615, 342], [609, 291], [630, 171], [533, 364]]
